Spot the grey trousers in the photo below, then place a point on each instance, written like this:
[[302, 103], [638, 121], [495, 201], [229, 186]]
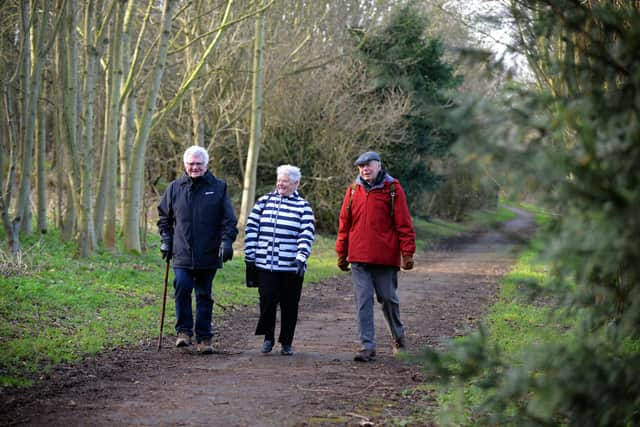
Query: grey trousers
[[383, 280]]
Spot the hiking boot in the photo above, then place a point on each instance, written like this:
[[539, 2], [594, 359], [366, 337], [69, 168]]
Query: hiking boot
[[183, 340], [365, 355], [399, 344], [204, 346], [286, 350], [267, 346]]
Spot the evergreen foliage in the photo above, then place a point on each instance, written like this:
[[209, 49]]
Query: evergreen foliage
[[399, 57], [575, 138]]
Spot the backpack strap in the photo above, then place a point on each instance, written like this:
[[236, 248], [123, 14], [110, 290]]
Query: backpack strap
[[353, 190], [392, 193]]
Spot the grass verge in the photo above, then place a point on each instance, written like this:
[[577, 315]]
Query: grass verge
[[515, 323]]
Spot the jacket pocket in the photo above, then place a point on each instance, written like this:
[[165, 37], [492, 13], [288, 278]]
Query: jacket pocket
[[287, 254]]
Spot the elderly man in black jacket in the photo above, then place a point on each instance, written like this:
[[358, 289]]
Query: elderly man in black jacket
[[197, 228]]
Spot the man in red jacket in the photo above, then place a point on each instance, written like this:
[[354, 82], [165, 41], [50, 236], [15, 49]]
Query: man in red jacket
[[376, 236]]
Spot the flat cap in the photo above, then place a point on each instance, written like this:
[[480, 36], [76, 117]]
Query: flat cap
[[366, 158]]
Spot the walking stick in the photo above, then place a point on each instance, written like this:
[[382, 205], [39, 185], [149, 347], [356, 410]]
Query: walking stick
[[164, 301]]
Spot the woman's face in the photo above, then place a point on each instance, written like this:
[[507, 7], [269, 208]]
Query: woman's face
[[286, 187]]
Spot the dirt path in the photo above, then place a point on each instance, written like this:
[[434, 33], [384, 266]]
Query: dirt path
[[320, 385]]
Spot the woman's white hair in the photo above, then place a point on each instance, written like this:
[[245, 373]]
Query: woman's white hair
[[292, 171], [196, 151]]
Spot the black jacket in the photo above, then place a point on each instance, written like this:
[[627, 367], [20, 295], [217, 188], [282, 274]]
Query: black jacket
[[197, 213]]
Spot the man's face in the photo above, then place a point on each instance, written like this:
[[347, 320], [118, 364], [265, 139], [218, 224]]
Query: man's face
[[286, 187], [194, 166], [369, 171]]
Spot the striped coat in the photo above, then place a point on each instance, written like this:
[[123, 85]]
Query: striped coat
[[279, 230]]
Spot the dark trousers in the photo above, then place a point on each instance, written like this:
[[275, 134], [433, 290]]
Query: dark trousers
[[281, 288], [184, 283]]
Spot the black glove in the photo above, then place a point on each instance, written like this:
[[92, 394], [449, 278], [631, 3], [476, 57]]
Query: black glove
[[166, 246], [251, 274], [300, 268], [226, 251]]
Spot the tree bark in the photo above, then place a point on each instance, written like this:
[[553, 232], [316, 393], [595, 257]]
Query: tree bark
[[133, 196], [128, 110], [249, 184], [41, 157], [11, 226], [108, 183], [28, 119]]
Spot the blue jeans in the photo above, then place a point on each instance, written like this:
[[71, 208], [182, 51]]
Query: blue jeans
[[382, 281], [200, 281]]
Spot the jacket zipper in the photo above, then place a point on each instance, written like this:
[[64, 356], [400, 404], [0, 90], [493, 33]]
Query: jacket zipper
[[273, 237]]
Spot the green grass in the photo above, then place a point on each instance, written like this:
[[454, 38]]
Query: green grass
[[429, 231], [515, 324], [63, 307], [490, 218], [56, 308]]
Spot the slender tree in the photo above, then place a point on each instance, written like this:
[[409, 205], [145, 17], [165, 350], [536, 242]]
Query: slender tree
[[106, 197], [133, 195], [41, 156], [249, 185]]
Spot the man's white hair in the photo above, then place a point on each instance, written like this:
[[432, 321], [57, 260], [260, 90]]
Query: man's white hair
[[292, 171], [196, 151]]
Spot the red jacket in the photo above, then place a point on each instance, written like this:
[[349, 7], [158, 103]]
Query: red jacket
[[368, 233]]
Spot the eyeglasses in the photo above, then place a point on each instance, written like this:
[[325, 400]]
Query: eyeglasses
[[195, 164]]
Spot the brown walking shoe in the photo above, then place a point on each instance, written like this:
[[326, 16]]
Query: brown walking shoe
[[183, 340], [399, 344], [205, 346], [365, 355]]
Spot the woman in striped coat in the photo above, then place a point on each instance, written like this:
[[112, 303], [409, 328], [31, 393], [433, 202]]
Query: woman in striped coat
[[278, 239]]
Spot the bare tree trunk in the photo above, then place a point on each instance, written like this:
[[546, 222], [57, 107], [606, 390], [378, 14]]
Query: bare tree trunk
[[92, 48], [112, 141], [125, 144], [100, 199], [191, 55], [11, 227], [35, 24], [41, 157], [59, 168], [249, 184], [28, 119], [106, 200], [133, 196], [70, 224], [63, 135], [69, 52], [128, 110], [129, 100], [197, 124]]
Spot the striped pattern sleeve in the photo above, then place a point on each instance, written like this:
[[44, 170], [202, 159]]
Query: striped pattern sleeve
[[307, 232], [252, 227], [279, 230]]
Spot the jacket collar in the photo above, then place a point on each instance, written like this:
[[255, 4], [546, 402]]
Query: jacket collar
[[187, 180], [293, 196], [379, 182]]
